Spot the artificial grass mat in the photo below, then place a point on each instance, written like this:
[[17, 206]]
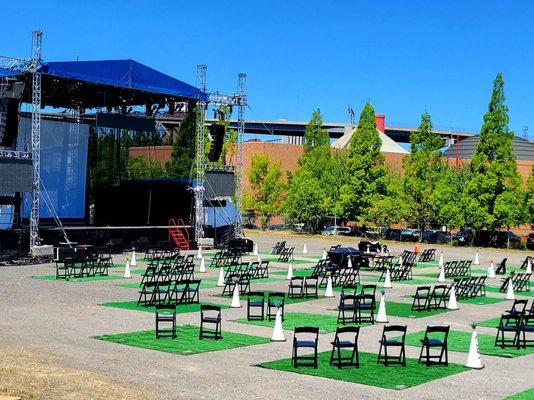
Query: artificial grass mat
[[288, 300], [371, 373], [526, 395], [404, 310], [84, 279], [186, 342], [460, 340], [326, 323], [495, 289], [180, 309]]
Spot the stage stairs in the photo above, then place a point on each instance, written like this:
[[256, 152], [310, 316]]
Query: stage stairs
[[177, 235]]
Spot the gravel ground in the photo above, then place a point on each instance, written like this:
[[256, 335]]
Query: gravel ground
[[47, 350]]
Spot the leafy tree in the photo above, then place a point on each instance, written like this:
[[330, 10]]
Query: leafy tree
[[447, 196], [367, 181], [315, 136], [182, 162], [422, 169], [267, 187], [141, 168], [391, 208], [492, 196], [303, 199], [529, 199]]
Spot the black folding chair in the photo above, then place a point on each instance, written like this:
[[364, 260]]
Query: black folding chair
[[421, 298], [296, 287], [275, 300], [438, 297], [210, 315], [310, 287], [347, 308], [255, 300], [305, 337], [62, 269], [346, 340], [501, 267], [365, 309], [508, 330], [435, 338], [519, 307], [393, 336], [526, 327], [165, 314]]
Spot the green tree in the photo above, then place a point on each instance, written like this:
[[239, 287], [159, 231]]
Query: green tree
[[529, 199], [266, 195], [367, 181], [315, 137], [303, 200], [447, 196], [492, 196], [422, 169], [141, 168], [391, 208], [182, 162]]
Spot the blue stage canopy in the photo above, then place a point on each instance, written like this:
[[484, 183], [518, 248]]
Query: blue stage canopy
[[125, 74], [4, 72]]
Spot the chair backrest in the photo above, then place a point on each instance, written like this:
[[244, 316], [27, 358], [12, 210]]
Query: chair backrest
[[395, 330], [348, 298], [349, 289], [297, 280], [422, 289], [519, 306], [369, 289], [438, 329], [347, 329], [313, 330], [209, 307], [165, 307], [256, 294]]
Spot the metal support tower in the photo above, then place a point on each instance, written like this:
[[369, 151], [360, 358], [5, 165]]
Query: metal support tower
[[199, 157], [37, 37], [240, 169]]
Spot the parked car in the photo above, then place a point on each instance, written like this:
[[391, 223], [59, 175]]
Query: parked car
[[337, 230], [410, 235], [463, 238], [429, 236], [392, 234], [503, 238], [433, 236], [277, 227], [530, 241]]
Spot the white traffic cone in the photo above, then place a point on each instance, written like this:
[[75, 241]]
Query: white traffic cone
[[510, 295], [289, 272], [491, 271], [329, 292], [400, 261], [349, 263], [134, 261], [473, 358], [477, 261], [387, 280], [529, 267], [441, 277], [324, 254], [202, 269], [127, 274], [259, 258], [368, 249], [452, 304], [305, 249], [440, 262], [255, 250], [278, 331], [199, 254], [381, 316], [220, 281], [236, 303]]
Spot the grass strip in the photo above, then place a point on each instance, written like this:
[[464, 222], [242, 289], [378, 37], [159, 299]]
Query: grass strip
[[370, 373], [84, 279], [186, 342], [181, 309]]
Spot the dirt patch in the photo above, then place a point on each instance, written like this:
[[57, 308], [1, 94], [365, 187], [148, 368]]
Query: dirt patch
[[32, 375]]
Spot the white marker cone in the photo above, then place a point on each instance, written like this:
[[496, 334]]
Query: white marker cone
[[278, 331], [441, 277], [324, 254], [329, 292], [127, 274], [400, 261], [491, 271], [382, 316], [473, 359], [255, 250], [349, 263], [529, 267], [289, 272], [477, 261], [220, 281], [202, 269], [134, 261], [510, 295], [440, 262], [305, 249], [199, 254], [367, 249], [236, 303], [452, 304], [387, 280], [259, 258]]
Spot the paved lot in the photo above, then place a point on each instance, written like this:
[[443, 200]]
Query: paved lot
[[56, 321]]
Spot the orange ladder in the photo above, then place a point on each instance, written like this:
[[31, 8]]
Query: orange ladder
[[180, 240]]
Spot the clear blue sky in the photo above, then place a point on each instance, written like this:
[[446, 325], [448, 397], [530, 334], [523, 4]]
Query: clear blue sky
[[404, 56]]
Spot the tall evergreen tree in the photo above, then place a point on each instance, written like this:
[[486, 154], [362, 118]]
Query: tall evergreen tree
[[529, 199], [492, 197], [367, 174], [422, 168], [181, 164]]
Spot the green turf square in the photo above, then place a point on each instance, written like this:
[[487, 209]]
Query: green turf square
[[370, 373], [186, 342], [460, 340], [181, 309], [526, 395], [490, 323], [481, 300], [84, 279], [326, 323], [404, 310], [495, 289], [297, 273], [288, 299]]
